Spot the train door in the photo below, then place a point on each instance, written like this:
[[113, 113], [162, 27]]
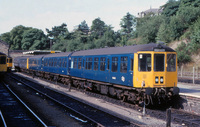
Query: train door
[[107, 69], [159, 69], [143, 69], [101, 74], [124, 73], [130, 71], [42, 64], [114, 69], [82, 67]]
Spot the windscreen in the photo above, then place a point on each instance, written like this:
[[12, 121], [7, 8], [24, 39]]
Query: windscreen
[[159, 62], [171, 62], [2, 60]]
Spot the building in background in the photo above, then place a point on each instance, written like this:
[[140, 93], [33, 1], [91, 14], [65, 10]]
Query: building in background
[[151, 11]]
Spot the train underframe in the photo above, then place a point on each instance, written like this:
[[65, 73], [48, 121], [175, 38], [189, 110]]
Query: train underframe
[[147, 96]]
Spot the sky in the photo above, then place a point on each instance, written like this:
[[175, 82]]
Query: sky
[[42, 14]]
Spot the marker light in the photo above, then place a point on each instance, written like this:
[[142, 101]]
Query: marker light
[[156, 79], [161, 80]]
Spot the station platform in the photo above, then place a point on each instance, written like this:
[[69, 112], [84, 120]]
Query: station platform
[[189, 89]]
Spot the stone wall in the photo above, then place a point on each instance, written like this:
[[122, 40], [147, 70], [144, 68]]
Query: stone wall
[[4, 47]]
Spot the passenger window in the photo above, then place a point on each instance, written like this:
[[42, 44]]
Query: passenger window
[[114, 64], [131, 68], [124, 64], [83, 63], [79, 63], [171, 62], [108, 64], [55, 62], [89, 63], [103, 64], [75, 63], [96, 63], [144, 62], [65, 62], [60, 62]]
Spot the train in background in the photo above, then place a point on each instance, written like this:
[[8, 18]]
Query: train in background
[[3, 64], [139, 73], [9, 63]]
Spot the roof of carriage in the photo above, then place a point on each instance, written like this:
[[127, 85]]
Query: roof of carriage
[[2, 53], [123, 50], [62, 54]]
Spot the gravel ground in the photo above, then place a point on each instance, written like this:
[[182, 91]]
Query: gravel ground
[[117, 110]]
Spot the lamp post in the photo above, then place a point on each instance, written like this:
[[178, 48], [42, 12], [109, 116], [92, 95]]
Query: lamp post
[[51, 41]]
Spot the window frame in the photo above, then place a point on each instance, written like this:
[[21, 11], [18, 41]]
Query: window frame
[[114, 67], [140, 69], [102, 63], [124, 64]]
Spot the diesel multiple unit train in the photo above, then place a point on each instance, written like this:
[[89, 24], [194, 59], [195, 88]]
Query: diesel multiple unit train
[[3, 63], [139, 73]]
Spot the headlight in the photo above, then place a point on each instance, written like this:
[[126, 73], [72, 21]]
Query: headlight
[[156, 79], [161, 80]]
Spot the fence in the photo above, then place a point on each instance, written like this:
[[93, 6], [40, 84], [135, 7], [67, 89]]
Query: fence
[[190, 72]]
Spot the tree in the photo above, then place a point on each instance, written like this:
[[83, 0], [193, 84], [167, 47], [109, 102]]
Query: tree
[[164, 33], [149, 29], [83, 27], [183, 55], [189, 3], [34, 39], [57, 31], [107, 40], [98, 28], [128, 23], [16, 36], [170, 8], [6, 38]]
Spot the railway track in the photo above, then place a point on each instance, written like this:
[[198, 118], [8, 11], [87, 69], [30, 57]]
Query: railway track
[[76, 109], [14, 111], [180, 117]]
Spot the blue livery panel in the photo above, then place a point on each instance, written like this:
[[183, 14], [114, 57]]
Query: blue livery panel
[[116, 69]]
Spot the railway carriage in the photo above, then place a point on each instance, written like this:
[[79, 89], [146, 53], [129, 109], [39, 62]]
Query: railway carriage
[[21, 63], [135, 73], [107, 65], [3, 64], [56, 63], [138, 73], [56, 66]]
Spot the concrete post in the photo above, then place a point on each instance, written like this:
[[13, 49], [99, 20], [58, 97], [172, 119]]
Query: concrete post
[[168, 118], [182, 71], [193, 75]]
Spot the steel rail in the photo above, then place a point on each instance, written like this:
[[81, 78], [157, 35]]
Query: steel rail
[[60, 103], [4, 122], [26, 106]]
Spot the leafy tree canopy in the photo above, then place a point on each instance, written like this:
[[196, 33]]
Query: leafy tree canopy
[[57, 31], [97, 28], [128, 23]]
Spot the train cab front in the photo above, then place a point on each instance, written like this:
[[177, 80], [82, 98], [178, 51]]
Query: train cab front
[[156, 73]]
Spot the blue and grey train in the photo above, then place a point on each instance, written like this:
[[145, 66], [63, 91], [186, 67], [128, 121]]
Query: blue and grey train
[[134, 73]]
